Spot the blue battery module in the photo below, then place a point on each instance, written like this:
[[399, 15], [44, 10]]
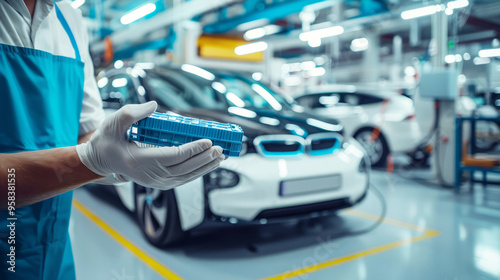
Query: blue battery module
[[172, 130]]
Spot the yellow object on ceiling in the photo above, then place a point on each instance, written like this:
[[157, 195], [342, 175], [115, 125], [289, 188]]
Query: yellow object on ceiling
[[217, 47]]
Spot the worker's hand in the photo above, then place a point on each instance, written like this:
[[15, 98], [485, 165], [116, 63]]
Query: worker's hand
[[109, 151]]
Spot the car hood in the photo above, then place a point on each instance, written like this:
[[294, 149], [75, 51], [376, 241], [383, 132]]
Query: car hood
[[266, 122]]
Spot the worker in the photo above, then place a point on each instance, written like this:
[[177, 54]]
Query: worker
[[49, 104]]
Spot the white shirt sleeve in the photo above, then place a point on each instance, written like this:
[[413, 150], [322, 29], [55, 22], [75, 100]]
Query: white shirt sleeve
[[92, 112]]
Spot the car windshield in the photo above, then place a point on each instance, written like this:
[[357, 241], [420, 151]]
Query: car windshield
[[181, 90]]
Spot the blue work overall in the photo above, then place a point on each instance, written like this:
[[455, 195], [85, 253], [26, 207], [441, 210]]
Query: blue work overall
[[40, 104]]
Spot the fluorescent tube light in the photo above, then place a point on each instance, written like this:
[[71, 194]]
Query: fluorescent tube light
[[318, 71], [252, 24], [321, 33], [307, 65], [489, 53], [250, 48], [458, 4], [429, 10], [138, 13], [420, 12], [481, 60], [360, 44], [449, 58], [314, 43], [261, 32], [253, 34]]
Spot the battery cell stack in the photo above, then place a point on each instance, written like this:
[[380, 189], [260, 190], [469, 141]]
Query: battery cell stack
[[161, 129]]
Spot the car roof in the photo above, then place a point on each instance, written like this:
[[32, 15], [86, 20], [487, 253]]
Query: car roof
[[379, 92]]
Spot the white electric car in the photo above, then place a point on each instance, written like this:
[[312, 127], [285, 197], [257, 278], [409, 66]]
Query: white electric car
[[292, 165], [382, 121]]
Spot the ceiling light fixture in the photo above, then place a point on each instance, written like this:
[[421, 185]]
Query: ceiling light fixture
[[360, 44], [420, 12], [481, 60], [138, 13], [429, 10], [260, 32], [458, 4], [321, 33], [250, 48], [314, 43], [489, 53]]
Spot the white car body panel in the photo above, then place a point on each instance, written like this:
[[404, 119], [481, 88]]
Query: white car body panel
[[260, 179], [190, 203], [126, 193], [401, 135], [258, 188]]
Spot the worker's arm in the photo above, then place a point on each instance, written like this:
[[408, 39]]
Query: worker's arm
[[61, 170], [35, 176]]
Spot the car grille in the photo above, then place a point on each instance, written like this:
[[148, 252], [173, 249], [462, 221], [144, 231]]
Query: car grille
[[290, 146], [280, 146], [323, 143]]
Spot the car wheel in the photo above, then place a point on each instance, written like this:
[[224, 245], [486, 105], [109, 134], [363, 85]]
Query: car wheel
[[484, 145], [377, 149], [157, 214]]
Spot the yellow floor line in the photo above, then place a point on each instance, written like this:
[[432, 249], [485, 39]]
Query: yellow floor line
[[141, 255], [426, 233], [351, 257], [168, 274], [388, 221]]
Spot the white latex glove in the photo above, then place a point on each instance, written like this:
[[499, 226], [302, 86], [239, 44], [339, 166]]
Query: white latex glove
[[111, 179], [109, 151]]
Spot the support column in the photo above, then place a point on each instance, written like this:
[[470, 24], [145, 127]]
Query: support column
[[334, 47], [439, 28], [445, 150], [371, 59], [397, 61]]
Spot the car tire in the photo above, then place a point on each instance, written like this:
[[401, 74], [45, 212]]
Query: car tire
[[158, 216], [377, 150]]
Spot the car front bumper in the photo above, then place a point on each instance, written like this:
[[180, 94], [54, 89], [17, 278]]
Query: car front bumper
[[257, 195]]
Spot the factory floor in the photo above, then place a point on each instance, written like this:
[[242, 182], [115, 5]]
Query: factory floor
[[429, 233]]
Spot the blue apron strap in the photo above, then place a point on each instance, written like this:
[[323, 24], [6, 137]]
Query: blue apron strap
[[65, 25]]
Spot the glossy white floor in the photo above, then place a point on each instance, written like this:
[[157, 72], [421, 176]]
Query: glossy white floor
[[430, 233]]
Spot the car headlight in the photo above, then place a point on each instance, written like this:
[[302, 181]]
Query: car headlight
[[221, 178]]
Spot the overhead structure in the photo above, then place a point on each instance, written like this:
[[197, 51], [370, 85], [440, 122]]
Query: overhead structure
[[184, 11]]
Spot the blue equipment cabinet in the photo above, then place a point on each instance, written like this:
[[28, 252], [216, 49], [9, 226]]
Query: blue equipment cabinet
[[459, 164]]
